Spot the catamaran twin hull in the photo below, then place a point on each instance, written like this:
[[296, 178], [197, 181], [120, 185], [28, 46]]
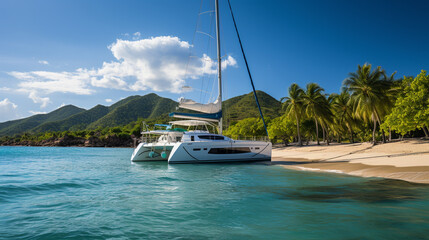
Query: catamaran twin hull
[[222, 151], [151, 152]]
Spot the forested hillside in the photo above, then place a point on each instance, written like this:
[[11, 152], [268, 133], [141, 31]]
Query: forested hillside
[[244, 106], [27, 124]]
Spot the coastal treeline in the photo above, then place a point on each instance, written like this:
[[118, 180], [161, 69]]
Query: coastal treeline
[[372, 106], [120, 136]]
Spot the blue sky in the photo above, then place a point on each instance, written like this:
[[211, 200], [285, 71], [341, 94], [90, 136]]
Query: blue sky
[[96, 52]]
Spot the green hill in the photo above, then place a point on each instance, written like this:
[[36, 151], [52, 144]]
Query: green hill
[[72, 118], [244, 106], [76, 122], [26, 124], [148, 106]]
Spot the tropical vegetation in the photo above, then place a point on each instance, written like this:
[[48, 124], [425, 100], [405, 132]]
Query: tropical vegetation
[[371, 105]]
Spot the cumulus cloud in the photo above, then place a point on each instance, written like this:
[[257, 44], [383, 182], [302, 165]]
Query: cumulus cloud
[[43, 62], [7, 110], [157, 64], [36, 112], [109, 100]]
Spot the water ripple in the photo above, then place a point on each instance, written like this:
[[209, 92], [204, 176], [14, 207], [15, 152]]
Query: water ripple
[[96, 193]]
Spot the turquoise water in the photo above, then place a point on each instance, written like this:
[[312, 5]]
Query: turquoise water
[[96, 193]]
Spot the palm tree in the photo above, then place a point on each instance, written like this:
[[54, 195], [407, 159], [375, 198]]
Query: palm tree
[[293, 105], [343, 110], [315, 105], [368, 92]]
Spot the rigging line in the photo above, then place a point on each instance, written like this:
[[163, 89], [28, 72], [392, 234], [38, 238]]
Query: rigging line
[[205, 34], [193, 39], [209, 49], [248, 70], [210, 11]]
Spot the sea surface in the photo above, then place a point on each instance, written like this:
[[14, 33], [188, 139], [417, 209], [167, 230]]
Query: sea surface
[[97, 193]]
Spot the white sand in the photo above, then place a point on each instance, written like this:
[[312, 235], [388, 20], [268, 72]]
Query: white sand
[[406, 160]]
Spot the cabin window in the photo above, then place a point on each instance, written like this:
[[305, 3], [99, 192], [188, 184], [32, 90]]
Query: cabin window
[[197, 149], [211, 137], [178, 139], [192, 138], [230, 150], [256, 148]]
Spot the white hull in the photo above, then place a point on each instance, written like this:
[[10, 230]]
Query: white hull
[[221, 151], [143, 151]]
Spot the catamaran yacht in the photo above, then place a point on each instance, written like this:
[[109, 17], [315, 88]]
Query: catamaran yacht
[[199, 147], [157, 144]]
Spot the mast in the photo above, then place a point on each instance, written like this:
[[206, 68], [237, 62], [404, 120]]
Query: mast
[[219, 63]]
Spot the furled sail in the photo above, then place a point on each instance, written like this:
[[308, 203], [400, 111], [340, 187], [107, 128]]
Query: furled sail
[[214, 107]]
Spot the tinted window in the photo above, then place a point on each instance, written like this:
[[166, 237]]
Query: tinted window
[[211, 137], [232, 150]]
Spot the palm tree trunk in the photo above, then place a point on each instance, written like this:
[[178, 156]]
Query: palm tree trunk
[[379, 123], [373, 131], [327, 137], [297, 129], [317, 131], [426, 131], [390, 134], [351, 132], [323, 132]]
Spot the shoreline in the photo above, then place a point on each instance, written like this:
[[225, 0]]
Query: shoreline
[[404, 160]]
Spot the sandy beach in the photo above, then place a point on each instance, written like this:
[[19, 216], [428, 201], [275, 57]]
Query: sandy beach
[[406, 160]]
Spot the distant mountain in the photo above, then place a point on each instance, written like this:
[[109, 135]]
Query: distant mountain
[[244, 106], [87, 119], [150, 106], [78, 121], [26, 124], [73, 118]]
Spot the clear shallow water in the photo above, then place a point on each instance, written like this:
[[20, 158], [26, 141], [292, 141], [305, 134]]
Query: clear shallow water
[[96, 193]]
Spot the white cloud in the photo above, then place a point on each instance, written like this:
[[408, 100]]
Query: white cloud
[[50, 82], [7, 110], [158, 64], [5, 89], [136, 35], [35, 112], [36, 99], [43, 62], [109, 100]]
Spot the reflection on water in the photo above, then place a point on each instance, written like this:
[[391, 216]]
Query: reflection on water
[[371, 191], [154, 165]]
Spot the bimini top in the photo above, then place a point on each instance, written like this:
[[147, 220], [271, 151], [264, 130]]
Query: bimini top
[[189, 123]]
